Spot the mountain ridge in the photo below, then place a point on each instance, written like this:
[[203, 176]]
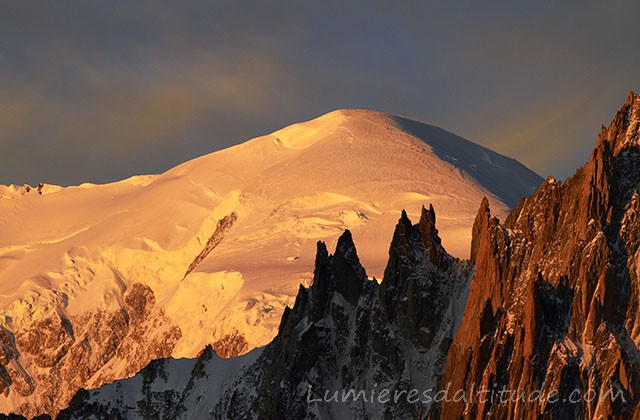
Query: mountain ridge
[[113, 257], [551, 316], [557, 289]]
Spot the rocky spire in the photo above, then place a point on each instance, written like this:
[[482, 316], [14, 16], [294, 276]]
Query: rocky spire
[[480, 228], [430, 239], [555, 299], [340, 272], [413, 245], [622, 133]]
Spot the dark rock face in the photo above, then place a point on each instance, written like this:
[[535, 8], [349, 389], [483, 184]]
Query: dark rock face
[[416, 258], [553, 305], [345, 332]]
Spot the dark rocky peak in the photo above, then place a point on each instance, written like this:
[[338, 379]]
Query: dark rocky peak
[[485, 232], [418, 277], [314, 335], [490, 253], [340, 272], [594, 199], [346, 249], [613, 171], [346, 331], [347, 270], [430, 239], [415, 246], [622, 133]]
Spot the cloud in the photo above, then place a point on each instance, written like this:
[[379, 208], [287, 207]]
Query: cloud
[[530, 131], [98, 91], [100, 116]]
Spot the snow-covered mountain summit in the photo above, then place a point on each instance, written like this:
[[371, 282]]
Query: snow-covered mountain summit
[[96, 280]]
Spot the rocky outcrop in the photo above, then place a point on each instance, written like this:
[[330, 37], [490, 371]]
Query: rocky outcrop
[[223, 227], [58, 354], [553, 306], [345, 332], [231, 345]]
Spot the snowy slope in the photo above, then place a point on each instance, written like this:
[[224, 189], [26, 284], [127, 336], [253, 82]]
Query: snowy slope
[[344, 332], [242, 222]]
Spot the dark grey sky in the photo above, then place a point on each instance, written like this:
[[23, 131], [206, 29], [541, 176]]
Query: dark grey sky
[[101, 90]]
